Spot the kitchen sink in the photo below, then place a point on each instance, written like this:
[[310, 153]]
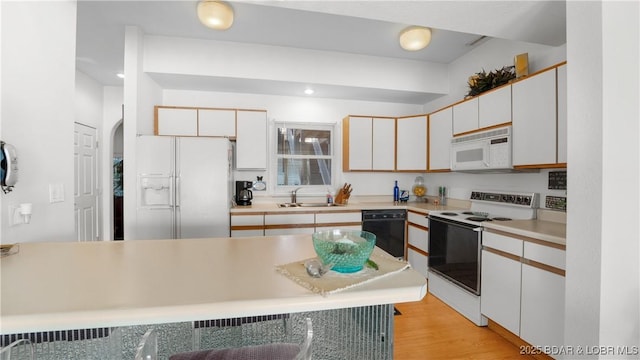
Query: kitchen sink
[[317, 205], [288, 205]]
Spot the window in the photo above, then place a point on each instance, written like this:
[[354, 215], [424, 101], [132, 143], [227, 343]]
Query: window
[[304, 156]]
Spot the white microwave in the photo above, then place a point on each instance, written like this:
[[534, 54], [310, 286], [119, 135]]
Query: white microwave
[[485, 150]]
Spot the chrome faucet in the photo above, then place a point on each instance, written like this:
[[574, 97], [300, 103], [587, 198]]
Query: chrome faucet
[[294, 195]]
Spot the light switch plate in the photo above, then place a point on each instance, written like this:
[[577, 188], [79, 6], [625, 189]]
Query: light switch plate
[[56, 193], [14, 216]]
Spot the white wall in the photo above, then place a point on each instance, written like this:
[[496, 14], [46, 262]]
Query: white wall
[[167, 55], [38, 113], [488, 56], [140, 94], [112, 117], [603, 252], [459, 185], [88, 101]]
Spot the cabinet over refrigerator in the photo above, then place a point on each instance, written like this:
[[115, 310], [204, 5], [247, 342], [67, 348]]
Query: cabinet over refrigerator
[[183, 187]]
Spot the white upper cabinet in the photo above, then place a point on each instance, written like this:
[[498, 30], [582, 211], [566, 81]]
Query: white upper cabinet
[[176, 121], [251, 139], [440, 134], [534, 120], [494, 107], [368, 144], [562, 114], [411, 143], [465, 116], [383, 145], [358, 132], [217, 122], [488, 109], [184, 121]]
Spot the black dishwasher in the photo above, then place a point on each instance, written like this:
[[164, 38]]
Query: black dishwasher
[[388, 225]]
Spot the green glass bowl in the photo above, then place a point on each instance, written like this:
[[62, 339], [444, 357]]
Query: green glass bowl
[[347, 250]]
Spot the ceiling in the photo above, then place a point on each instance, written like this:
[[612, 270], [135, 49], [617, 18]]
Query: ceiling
[[356, 27]]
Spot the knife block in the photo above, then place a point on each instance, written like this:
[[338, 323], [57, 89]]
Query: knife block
[[342, 197]]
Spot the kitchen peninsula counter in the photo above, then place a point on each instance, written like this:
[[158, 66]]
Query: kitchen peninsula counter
[[58, 286]]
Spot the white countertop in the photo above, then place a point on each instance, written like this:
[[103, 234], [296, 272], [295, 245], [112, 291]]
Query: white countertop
[[550, 231], [356, 206], [57, 286]]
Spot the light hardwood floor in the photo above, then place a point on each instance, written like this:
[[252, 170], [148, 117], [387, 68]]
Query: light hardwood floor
[[430, 329]]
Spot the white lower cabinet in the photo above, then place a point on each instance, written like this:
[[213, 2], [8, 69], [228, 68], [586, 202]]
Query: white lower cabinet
[[418, 242], [289, 224], [247, 233], [347, 220], [289, 231], [500, 279], [542, 307], [418, 261], [523, 287], [418, 237], [243, 225]]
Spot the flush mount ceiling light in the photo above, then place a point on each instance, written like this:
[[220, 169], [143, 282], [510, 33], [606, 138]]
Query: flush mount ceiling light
[[415, 38], [309, 91], [215, 14]]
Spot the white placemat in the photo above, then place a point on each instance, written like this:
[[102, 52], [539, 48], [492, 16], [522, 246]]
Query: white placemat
[[333, 282]]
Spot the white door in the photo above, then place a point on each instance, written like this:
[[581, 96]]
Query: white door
[[85, 192]]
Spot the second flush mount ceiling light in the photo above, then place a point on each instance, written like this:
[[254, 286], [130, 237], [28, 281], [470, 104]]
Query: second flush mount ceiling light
[[215, 14], [415, 38]]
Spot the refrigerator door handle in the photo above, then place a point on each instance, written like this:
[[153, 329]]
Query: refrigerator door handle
[[172, 186], [177, 232], [177, 191]]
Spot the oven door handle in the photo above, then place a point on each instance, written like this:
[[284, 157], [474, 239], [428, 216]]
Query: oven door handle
[[455, 223]]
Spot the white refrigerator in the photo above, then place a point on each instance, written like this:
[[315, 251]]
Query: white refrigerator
[[184, 187]]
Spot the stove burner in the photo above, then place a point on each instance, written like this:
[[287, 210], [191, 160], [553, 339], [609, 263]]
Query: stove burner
[[478, 218], [501, 218], [468, 212], [449, 214]]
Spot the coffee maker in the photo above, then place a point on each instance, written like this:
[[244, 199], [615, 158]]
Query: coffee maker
[[244, 193]]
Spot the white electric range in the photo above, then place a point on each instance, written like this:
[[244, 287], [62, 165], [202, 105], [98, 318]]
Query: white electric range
[[494, 206], [455, 246]]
